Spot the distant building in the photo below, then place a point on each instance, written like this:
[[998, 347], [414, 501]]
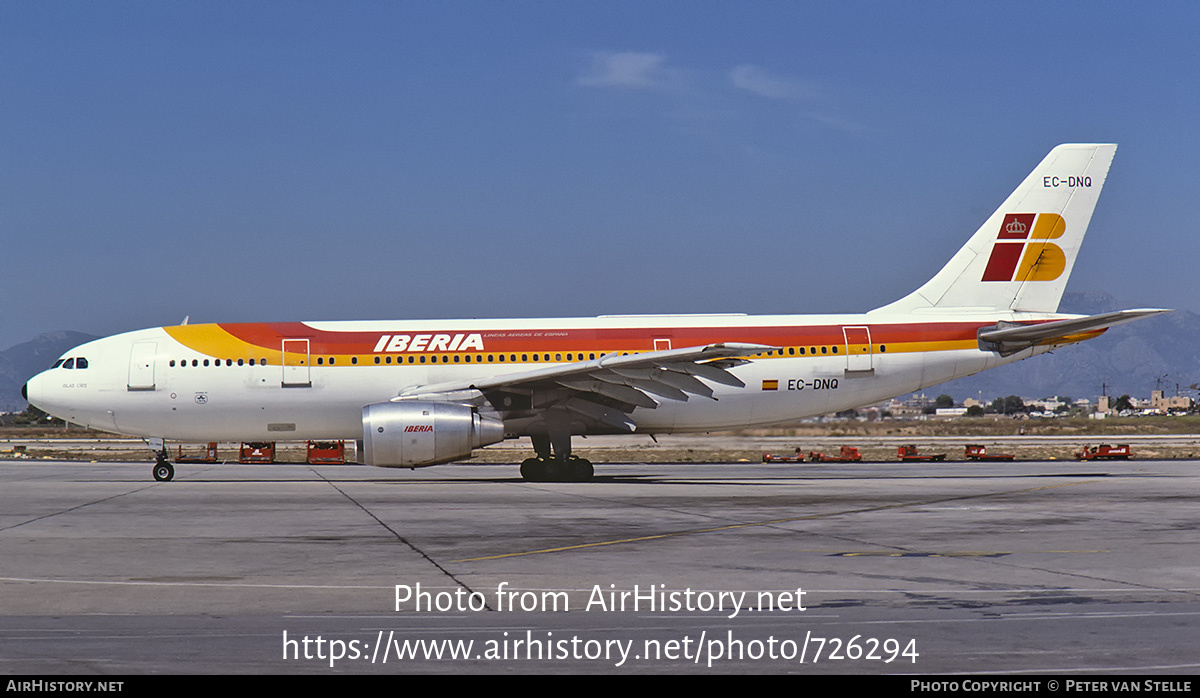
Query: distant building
[[1048, 405], [1161, 403], [911, 407]]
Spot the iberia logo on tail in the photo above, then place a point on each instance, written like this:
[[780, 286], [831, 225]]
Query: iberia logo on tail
[[1023, 251]]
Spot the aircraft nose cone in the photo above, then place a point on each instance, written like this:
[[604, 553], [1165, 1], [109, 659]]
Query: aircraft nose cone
[[32, 391]]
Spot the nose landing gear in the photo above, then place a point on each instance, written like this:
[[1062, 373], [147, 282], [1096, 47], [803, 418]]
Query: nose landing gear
[[163, 470]]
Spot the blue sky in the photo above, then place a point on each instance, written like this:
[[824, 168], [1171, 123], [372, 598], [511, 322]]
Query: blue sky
[[251, 161]]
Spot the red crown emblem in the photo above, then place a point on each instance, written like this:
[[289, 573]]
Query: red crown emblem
[[1016, 227]]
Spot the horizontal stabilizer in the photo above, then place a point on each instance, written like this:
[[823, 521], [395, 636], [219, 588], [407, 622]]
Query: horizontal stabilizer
[[1008, 338]]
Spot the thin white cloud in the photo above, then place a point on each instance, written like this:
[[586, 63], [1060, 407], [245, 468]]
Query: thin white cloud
[[630, 69], [703, 99], [755, 80]]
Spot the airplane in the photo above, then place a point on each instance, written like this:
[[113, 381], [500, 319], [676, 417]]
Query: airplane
[[424, 392]]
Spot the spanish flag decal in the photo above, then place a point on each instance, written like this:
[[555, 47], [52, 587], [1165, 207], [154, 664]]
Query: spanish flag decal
[[771, 385]]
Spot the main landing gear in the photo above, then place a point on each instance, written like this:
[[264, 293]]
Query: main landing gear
[[569, 469], [554, 462]]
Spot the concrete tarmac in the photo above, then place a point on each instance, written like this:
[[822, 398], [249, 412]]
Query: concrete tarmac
[[999, 568]]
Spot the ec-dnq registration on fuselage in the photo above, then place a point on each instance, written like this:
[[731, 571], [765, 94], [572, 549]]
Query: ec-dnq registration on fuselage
[[424, 392]]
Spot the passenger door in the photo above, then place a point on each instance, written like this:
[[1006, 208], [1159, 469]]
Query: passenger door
[[296, 364]]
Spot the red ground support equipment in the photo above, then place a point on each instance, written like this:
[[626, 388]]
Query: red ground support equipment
[[210, 455], [1104, 452], [979, 452], [848, 454], [909, 453], [798, 458], [326, 452], [257, 452]]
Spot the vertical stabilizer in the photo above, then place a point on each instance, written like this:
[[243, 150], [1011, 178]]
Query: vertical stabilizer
[[1021, 258]]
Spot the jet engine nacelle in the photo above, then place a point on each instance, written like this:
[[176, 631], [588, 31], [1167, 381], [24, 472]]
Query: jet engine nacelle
[[413, 434]]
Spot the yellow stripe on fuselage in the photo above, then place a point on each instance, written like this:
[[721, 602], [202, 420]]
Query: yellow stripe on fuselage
[[213, 341]]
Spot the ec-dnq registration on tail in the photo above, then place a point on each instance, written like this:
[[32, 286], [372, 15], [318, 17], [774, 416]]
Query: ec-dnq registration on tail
[[417, 393]]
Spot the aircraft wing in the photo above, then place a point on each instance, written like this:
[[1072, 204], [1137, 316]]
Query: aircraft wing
[[1008, 338], [608, 389]]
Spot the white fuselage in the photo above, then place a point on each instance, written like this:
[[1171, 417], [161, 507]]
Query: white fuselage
[[290, 381]]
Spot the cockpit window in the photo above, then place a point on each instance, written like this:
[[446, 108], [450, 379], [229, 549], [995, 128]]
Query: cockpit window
[[58, 363], [70, 363], [80, 362]]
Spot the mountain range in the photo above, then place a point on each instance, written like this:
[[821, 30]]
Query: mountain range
[[19, 363], [1134, 359], [1159, 352]]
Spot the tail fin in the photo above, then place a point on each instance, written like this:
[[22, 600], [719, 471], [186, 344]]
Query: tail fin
[[1022, 256]]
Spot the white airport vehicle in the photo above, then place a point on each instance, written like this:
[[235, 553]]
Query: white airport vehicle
[[418, 393]]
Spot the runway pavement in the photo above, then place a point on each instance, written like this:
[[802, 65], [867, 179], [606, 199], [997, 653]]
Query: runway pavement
[[1002, 568]]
